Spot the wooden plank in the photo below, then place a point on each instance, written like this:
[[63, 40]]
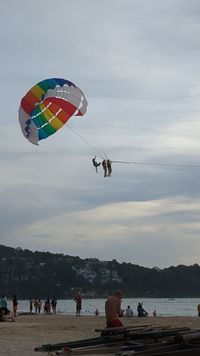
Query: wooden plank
[[187, 352], [154, 334], [103, 349], [146, 333], [168, 350], [124, 328], [188, 337], [71, 344]]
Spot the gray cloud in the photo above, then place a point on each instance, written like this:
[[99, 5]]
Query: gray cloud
[[137, 62]]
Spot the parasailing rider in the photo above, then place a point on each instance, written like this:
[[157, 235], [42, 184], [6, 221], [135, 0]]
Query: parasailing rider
[[104, 165], [95, 163], [107, 167]]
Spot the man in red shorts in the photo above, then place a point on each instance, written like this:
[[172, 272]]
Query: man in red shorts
[[113, 310]]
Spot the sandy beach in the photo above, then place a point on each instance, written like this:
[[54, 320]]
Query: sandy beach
[[19, 338]]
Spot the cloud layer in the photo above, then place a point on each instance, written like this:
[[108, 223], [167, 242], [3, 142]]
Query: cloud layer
[[137, 62]]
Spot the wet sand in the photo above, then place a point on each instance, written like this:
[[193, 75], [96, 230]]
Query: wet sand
[[19, 338]]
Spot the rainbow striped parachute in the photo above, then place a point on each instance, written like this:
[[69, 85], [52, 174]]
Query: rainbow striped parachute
[[47, 106]]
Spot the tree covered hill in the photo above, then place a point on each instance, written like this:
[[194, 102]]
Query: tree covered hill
[[39, 274]]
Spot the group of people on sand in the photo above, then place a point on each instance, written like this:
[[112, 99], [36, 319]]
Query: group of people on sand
[[35, 306], [113, 310], [49, 305], [106, 164]]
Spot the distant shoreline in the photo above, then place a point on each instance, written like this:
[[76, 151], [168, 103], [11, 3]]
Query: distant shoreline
[[164, 307]]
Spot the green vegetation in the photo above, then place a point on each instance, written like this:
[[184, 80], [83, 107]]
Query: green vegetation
[[30, 274]]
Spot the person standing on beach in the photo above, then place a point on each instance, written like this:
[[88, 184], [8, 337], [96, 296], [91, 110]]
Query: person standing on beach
[[36, 305], [39, 305], [54, 304], [198, 309], [47, 306], [78, 301], [31, 305], [15, 305], [113, 310]]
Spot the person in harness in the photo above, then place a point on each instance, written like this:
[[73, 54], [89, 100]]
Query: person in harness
[[107, 167], [95, 163], [104, 165]]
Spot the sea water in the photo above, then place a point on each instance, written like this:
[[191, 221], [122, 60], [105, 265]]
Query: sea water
[[163, 306]]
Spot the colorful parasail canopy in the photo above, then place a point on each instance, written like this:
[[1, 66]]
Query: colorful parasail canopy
[[47, 106]]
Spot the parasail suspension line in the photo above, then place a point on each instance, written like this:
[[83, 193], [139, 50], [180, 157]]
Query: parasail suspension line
[[94, 149]]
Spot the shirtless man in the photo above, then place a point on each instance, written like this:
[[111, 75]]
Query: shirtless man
[[113, 310]]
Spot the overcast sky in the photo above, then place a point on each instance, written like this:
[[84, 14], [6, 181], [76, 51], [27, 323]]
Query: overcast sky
[[138, 64]]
